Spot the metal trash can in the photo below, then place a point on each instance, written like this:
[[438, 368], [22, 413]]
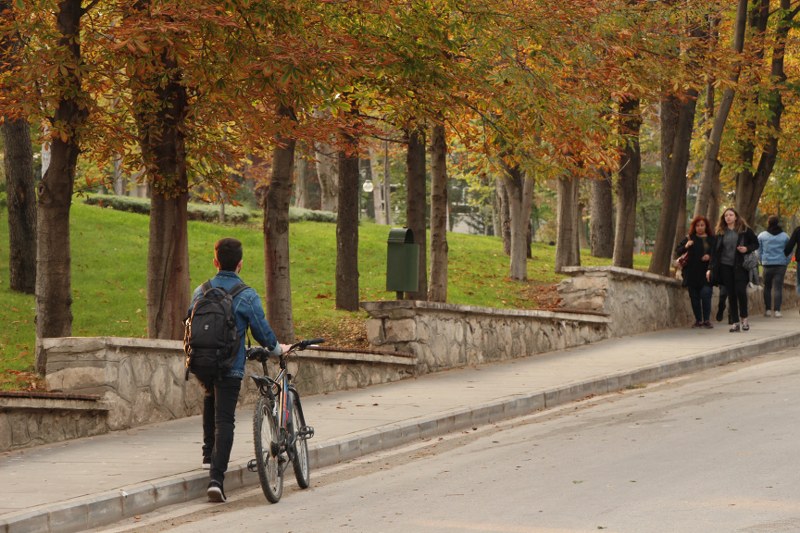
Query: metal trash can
[[402, 262]]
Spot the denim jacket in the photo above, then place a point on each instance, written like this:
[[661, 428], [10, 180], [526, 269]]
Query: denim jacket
[[771, 249], [249, 312]]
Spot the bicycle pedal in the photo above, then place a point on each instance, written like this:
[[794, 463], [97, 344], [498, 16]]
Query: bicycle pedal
[[252, 465], [306, 432]]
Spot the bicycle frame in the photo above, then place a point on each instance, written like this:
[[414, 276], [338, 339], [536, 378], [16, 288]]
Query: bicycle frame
[[279, 428]]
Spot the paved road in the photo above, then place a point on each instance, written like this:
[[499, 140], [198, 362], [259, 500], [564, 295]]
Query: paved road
[[715, 451]]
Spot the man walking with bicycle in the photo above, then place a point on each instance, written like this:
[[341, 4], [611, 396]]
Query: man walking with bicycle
[[221, 388]]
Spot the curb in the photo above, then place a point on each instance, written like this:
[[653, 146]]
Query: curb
[[106, 508]]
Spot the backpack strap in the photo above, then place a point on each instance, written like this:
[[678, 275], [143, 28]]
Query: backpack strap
[[234, 292], [206, 287]]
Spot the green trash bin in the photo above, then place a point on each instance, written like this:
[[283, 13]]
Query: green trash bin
[[402, 262]]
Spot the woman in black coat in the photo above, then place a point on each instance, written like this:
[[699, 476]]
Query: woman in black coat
[[698, 247], [735, 239]]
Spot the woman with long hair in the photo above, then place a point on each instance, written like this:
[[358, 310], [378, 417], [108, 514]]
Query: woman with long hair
[[698, 247], [735, 239]]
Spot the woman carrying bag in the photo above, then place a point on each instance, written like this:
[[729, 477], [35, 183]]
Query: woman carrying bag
[[698, 247], [735, 240]]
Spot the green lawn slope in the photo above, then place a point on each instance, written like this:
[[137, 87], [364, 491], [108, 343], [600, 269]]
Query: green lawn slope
[[109, 258]]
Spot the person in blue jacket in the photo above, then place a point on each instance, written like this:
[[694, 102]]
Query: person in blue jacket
[[222, 394], [771, 251]]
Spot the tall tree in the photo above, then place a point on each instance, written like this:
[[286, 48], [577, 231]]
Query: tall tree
[[21, 205], [630, 162], [53, 259], [277, 196], [749, 184], [709, 179], [18, 166], [161, 123], [347, 226], [439, 248], [602, 216], [416, 205], [567, 245], [677, 124], [519, 196]]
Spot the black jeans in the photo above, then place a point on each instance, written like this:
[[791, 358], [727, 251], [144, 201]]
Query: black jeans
[[773, 285], [701, 302], [737, 293], [219, 414]]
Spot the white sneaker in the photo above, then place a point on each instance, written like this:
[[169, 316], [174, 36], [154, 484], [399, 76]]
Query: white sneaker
[[778, 314], [768, 313]]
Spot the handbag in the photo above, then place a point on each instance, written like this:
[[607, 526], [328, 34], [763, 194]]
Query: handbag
[[680, 262], [750, 261]]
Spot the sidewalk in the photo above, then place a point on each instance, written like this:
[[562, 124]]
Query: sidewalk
[[87, 483]]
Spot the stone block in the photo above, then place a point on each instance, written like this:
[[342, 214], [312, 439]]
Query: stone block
[[374, 328], [402, 330]]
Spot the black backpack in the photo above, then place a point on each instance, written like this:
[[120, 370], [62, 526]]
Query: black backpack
[[211, 340]]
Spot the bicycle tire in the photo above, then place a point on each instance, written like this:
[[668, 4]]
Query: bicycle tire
[[302, 472], [265, 438]]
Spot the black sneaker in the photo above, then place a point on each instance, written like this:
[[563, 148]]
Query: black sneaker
[[735, 328], [720, 312], [206, 463], [215, 492]]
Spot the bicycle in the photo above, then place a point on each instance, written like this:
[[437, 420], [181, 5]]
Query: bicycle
[[279, 427]]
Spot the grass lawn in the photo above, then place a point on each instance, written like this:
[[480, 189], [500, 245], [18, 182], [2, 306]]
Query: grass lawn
[[109, 258]]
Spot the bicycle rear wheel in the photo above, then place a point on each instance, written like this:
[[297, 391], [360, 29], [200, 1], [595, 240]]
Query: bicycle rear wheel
[[265, 437], [300, 457]]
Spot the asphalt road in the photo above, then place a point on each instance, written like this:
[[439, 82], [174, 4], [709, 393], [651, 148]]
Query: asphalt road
[[711, 452]]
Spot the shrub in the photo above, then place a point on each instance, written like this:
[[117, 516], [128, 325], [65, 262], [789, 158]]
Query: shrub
[[298, 214], [196, 211]]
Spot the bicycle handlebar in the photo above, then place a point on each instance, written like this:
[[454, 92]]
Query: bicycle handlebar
[[258, 353]]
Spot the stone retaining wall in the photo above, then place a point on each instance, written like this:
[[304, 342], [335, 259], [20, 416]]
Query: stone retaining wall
[[31, 419], [443, 336], [142, 381], [638, 302]]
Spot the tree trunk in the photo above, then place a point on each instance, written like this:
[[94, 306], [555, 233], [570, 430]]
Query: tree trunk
[[53, 269], [168, 289], [21, 205], [438, 288], [347, 227], [301, 178], [19, 179], [162, 138], [387, 185], [680, 220], [520, 198], [711, 161], [677, 126], [416, 205], [583, 227], [276, 235], [567, 248], [503, 214], [327, 161], [377, 187], [627, 184], [602, 216]]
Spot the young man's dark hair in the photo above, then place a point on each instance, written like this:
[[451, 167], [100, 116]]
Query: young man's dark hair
[[228, 252]]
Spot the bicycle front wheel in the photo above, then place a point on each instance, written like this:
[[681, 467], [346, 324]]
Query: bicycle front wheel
[[265, 437], [300, 459]]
